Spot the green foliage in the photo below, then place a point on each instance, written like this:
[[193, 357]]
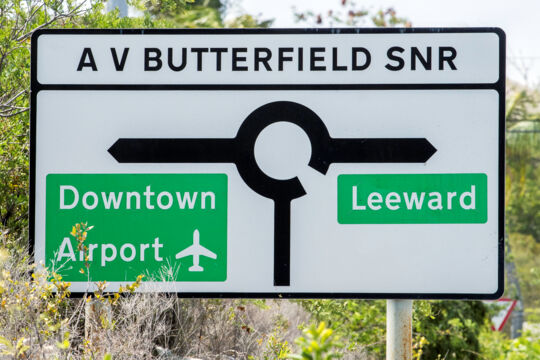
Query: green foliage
[[16, 350], [526, 256], [523, 155], [496, 346], [361, 323], [32, 310], [275, 347], [350, 14], [318, 343], [450, 328], [441, 328], [389, 18], [192, 14], [163, 8], [248, 21], [522, 197], [14, 80]]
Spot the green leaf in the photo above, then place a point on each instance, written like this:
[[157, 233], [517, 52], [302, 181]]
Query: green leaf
[[63, 345]]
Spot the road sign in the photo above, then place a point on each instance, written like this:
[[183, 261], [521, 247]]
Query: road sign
[[261, 163], [505, 307]]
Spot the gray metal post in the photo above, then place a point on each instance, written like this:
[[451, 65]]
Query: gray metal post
[[516, 322], [398, 329]]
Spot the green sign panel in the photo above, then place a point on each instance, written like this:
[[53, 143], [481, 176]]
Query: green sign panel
[[168, 227], [412, 199]]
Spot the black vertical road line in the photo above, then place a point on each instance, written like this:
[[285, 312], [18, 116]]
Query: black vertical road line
[[282, 242]]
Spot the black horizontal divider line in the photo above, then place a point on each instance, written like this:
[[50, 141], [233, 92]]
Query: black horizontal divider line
[[380, 150], [194, 150], [219, 150], [277, 31], [405, 86]]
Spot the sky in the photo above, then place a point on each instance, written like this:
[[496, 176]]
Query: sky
[[518, 18]]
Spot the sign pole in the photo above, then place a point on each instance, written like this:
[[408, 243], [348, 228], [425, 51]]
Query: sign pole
[[399, 329]]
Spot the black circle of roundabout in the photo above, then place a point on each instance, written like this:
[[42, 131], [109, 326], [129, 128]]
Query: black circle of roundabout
[[255, 123]]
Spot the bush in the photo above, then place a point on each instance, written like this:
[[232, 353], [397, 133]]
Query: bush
[[497, 346], [442, 329]]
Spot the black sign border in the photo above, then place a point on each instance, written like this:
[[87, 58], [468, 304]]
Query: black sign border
[[499, 86]]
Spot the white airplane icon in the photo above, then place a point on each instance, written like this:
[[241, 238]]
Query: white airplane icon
[[196, 250]]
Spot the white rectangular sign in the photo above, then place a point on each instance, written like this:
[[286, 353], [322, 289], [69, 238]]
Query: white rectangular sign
[[261, 163], [270, 58]]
